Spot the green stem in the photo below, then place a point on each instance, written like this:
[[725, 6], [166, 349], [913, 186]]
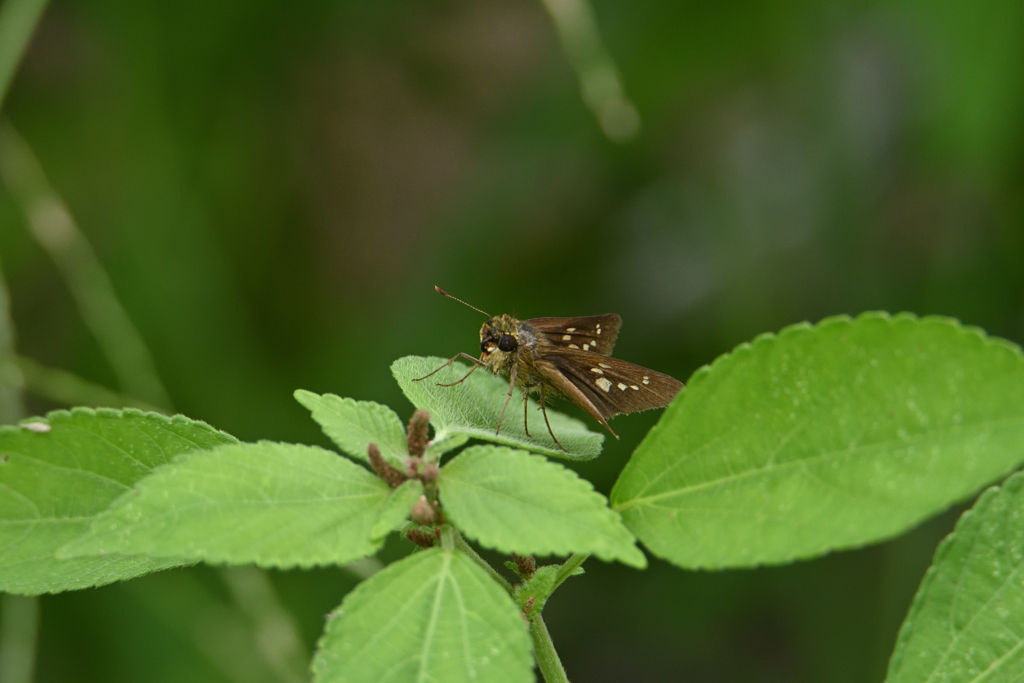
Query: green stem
[[544, 650], [448, 534], [461, 544], [567, 568]]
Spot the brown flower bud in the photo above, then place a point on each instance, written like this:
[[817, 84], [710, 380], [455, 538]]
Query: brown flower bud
[[423, 539], [418, 436], [383, 468], [423, 512], [430, 472], [525, 566]]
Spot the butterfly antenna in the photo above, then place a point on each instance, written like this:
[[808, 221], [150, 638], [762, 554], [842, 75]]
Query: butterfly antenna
[[441, 291]]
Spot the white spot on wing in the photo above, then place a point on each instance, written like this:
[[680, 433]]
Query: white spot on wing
[[566, 337], [586, 348], [634, 387], [604, 384], [604, 366], [597, 370], [622, 386], [570, 329], [573, 346], [647, 380]]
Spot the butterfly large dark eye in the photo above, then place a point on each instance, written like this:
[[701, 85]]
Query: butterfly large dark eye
[[507, 343]]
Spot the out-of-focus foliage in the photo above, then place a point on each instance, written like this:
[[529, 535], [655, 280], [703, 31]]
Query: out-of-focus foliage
[[274, 188]]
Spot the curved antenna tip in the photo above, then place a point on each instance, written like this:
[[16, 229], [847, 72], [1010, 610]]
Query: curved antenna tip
[[441, 291]]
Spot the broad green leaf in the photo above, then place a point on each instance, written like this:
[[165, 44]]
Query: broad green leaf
[[433, 616], [58, 472], [396, 511], [353, 425], [517, 502], [825, 437], [473, 408], [967, 620], [277, 505]]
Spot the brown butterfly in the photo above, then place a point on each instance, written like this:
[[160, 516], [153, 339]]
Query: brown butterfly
[[566, 357]]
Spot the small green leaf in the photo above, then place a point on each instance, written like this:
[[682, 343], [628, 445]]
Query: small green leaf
[[517, 502], [396, 510], [825, 437], [277, 505], [57, 472], [449, 443], [433, 616], [967, 620], [473, 408], [353, 425]]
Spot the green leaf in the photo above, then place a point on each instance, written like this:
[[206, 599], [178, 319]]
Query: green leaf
[[396, 510], [517, 502], [967, 620], [277, 505], [825, 437], [353, 425], [58, 472], [473, 407], [433, 616]]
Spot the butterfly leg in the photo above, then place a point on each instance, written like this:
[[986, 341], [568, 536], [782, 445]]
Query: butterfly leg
[[545, 411], [511, 386], [526, 404], [461, 355]]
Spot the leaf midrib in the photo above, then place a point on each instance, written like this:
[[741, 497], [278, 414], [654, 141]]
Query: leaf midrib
[[968, 430]]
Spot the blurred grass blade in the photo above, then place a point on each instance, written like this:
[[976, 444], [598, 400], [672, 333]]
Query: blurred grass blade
[[12, 408], [54, 228], [19, 630], [18, 21], [600, 81], [65, 387], [967, 621], [278, 639]]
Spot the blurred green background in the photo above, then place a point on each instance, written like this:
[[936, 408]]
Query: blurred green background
[[274, 189]]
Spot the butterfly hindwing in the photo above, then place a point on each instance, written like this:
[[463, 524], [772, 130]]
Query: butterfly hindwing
[[611, 385]]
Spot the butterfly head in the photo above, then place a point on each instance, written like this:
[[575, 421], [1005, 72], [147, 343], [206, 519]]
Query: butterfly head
[[500, 333]]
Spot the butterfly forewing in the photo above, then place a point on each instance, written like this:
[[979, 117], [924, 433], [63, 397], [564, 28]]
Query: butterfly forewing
[[592, 333], [613, 386]]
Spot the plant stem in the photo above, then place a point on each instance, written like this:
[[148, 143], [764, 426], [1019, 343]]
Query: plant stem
[[461, 544], [448, 534], [568, 567], [544, 651]]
